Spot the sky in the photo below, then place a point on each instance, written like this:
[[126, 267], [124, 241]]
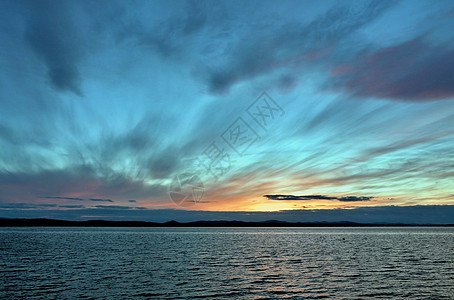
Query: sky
[[247, 110]]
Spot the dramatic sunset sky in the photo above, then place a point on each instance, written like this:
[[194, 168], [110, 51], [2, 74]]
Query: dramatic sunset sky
[[290, 110]]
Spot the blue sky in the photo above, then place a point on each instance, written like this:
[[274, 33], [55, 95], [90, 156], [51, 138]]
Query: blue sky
[[312, 106]]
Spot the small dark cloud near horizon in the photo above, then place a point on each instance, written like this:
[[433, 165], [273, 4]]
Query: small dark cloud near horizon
[[78, 199], [25, 205], [119, 207], [132, 201], [354, 198], [63, 198], [112, 207], [101, 200], [316, 197], [72, 206]]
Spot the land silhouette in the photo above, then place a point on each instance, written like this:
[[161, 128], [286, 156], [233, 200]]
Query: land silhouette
[[42, 222]]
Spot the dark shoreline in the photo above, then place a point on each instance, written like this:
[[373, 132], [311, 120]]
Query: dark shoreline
[[272, 223]]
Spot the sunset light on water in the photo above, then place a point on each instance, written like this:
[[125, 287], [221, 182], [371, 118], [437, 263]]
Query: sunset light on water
[[248, 149]]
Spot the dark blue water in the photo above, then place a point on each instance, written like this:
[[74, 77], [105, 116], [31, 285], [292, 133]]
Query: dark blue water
[[239, 263]]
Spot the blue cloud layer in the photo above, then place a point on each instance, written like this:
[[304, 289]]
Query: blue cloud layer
[[111, 102]]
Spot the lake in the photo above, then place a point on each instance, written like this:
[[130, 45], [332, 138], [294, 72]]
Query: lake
[[237, 263]]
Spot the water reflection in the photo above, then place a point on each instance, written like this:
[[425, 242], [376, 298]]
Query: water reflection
[[227, 262]]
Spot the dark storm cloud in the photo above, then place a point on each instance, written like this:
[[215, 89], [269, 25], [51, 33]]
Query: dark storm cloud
[[411, 71], [263, 51], [100, 200], [317, 197], [53, 36]]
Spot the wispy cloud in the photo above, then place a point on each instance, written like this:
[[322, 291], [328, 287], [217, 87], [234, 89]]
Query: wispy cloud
[[26, 205], [412, 71], [63, 198], [72, 206], [189, 72], [52, 35], [118, 207], [77, 181], [100, 200], [265, 51], [317, 197]]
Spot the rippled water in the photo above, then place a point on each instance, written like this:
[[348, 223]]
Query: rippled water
[[248, 263]]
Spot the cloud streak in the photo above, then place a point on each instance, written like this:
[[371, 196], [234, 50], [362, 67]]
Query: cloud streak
[[64, 198], [52, 35], [120, 207], [317, 197], [264, 52], [157, 85], [411, 71], [100, 200], [416, 214]]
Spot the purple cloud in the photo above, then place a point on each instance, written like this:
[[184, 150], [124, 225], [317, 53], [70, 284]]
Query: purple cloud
[[412, 71]]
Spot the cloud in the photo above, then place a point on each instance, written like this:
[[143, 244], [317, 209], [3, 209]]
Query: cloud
[[316, 197], [107, 148], [263, 52], [64, 198], [79, 183], [411, 71], [418, 214], [25, 205], [139, 144], [132, 201], [224, 49], [169, 38], [354, 198], [51, 34], [100, 200], [118, 207], [72, 206]]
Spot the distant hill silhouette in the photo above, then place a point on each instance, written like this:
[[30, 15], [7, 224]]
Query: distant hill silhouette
[[222, 223]]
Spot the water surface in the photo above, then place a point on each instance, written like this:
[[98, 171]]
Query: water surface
[[240, 263]]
